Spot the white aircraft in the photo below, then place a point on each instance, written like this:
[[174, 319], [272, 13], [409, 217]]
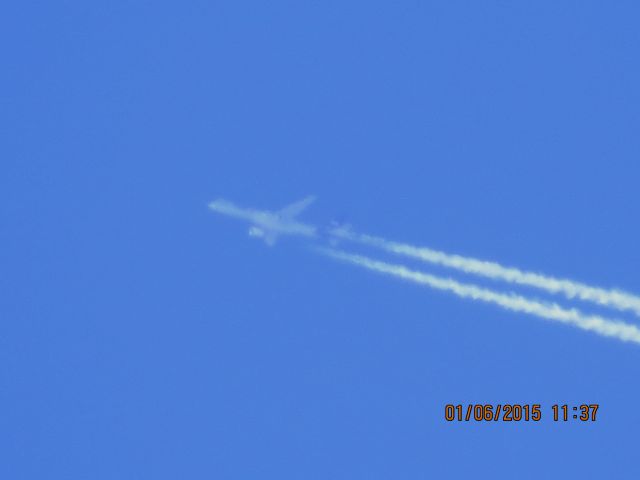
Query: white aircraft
[[338, 232], [269, 224]]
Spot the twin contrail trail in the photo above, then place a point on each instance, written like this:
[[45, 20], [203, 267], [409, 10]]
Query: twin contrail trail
[[517, 303], [269, 224], [606, 297]]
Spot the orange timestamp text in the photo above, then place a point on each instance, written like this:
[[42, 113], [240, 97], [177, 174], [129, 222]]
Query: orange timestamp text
[[515, 412]]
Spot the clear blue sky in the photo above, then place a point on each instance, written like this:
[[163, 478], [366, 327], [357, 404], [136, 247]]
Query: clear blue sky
[[142, 336]]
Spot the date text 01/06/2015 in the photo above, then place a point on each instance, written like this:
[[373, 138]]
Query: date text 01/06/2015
[[518, 412]]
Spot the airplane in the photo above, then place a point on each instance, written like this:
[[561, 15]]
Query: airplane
[[339, 231], [268, 225]]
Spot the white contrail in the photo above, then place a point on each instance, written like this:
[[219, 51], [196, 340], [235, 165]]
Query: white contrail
[[594, 323], [607, 297]]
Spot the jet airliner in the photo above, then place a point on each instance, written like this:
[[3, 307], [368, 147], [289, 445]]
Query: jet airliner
[[267, 224]]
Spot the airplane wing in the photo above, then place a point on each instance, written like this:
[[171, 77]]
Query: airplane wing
[[270, 238], [294, 209]]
